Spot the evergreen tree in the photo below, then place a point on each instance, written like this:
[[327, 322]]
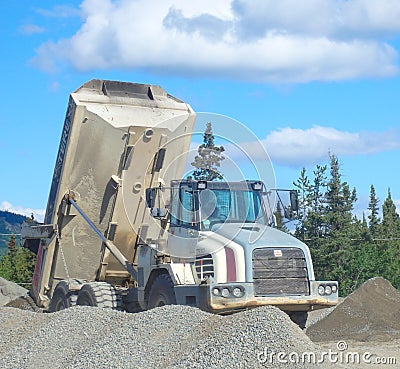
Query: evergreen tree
[[365, 261], [328, 225], [374, 211], [390, 241], [338, 249], [339, 198], [391, 220], [318, 188], [316, 220], [12, 250], [392, 265], [365, 231], [303, 188], [208, 160], [18, 264]]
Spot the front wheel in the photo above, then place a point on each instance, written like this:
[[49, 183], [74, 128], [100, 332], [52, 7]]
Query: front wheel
[[161, 292]]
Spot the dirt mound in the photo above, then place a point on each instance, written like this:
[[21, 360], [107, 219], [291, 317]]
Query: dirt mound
[[10, 291], [370, 313]]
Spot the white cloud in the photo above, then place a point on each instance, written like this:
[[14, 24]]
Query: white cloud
[[59, 11], [299, 147], [37, 213], [343, 19], [31, 29], [267, 41]]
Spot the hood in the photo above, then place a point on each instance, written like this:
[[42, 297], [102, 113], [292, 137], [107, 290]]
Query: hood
[[256, 235], [249, 236]]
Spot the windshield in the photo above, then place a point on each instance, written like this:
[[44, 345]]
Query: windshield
[[202, 209]]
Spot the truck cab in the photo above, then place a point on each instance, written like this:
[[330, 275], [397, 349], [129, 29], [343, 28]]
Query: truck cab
[[241, 260]]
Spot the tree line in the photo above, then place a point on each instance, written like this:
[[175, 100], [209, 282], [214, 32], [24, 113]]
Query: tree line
[[18, 264], [344, 247]]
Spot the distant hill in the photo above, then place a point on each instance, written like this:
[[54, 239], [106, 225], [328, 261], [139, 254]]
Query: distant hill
[[9, 223]]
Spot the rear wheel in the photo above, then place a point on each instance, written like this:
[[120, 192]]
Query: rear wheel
[[99, 294], [63, 297], [161, 292]]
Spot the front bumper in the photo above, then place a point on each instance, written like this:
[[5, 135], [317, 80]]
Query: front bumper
[[219, 304]]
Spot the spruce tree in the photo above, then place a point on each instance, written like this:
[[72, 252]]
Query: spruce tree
[[12, 251], [365, 231], [209, 158], [18, 264], [339, 199], [389, 241], [303, 188], [316, 215], [391, 220], [374, 211]]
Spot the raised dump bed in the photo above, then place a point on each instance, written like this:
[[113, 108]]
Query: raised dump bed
[[115, 143]]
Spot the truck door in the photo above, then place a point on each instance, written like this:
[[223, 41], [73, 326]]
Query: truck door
[[184, 227]]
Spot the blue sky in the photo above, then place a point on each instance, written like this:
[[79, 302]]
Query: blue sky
[[306, 77]]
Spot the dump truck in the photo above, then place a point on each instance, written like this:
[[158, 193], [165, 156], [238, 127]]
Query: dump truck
[[124, 230]]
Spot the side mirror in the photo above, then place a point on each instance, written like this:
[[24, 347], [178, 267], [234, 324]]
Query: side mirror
[[294, 200], [151, 197]]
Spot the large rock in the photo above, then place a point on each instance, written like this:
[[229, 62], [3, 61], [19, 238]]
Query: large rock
[[10, 291]]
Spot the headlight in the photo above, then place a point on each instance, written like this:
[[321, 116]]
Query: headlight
[[321, 289], [225, 292], [216, 291], [237, 292], [328, 290]]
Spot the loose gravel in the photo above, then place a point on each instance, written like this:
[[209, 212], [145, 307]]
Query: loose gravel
[[166, 337], [185, 337]]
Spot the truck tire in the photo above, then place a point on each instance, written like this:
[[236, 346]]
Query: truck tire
[[299, 317], [62, 297], [99, 294], [161, 292]]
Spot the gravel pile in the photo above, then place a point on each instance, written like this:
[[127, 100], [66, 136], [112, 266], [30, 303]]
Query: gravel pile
[[165, 337], [372, 313], [10, 291]]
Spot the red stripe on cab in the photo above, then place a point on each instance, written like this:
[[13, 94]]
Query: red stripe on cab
[[230, 265]]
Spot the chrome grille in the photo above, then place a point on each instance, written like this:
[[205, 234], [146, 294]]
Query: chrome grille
[[204, 266], [280, 271]]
